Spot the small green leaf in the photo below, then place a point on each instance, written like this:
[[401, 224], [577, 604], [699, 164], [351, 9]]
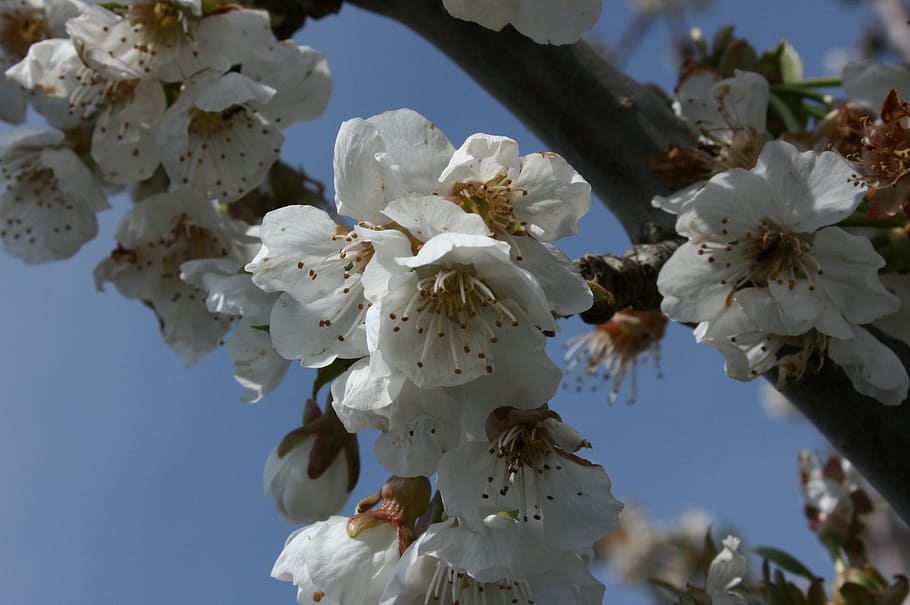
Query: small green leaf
[[784, 560]]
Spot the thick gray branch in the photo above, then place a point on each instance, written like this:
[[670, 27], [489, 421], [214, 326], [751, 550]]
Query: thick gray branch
[[607, 126], [603, 122]]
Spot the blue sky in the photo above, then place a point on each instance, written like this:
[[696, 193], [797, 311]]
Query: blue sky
[[127, 478]]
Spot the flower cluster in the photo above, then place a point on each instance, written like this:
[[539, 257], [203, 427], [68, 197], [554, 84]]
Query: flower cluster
[[766, 274], [184, 102], [439, 301]]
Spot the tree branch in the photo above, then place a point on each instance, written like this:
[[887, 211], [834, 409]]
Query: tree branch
[[604, 123], [607, 126]]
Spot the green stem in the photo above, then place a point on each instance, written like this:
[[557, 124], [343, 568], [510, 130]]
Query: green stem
[[824, 82], [784, 113], [790, 89]]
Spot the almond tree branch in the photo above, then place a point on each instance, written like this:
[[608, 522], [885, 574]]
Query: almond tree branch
[[607, 126]]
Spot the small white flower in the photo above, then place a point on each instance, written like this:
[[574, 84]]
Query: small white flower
[[727, 571], [329, 566], [298, 497], [258, 367], [450, 564], [214, 141], [126, 113], [763, 232], [438, 315], [525, 201], [869, 83], [49, 197], [166, 40], [530, 466], [155, 239], [317, 265], [544, 21], [22, 24]]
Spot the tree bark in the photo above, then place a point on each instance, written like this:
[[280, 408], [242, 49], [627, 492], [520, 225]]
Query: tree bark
[[607, 126]]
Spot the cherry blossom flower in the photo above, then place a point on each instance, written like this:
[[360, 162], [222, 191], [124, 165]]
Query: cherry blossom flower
[[126, 113], [763, 231], [543, 21], [258, 367], [309, 473], [450, 564], [50, 198], [155, 239], [22, 24], [729, 116], [169, 41], [329, 566], [727, 571], [612, 349], [869, 83], [529, 465], [317, 265], [525, 201]]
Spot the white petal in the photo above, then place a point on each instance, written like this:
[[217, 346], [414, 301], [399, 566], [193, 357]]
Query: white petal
[[872, 367], [555, 196], [869, 83]]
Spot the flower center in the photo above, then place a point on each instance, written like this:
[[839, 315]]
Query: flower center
[[450, 586], [208, 124], [492, 201], [163, 21], [19, 30], [450, 301], [774, 254]]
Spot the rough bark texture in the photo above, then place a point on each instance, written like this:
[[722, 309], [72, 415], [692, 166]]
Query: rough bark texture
[[631, 279], [607, 126]]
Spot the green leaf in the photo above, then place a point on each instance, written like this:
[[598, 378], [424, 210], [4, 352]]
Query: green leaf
[[816, 594], [784, 560]]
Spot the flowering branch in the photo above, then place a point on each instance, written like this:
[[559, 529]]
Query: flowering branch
[[569, 96], [630, 279], [532, 81]]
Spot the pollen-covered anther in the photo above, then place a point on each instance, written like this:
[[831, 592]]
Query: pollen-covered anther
[[527, 445], [450, 303], [492, 201]]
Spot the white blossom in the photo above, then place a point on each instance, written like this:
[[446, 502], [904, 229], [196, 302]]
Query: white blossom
[[525, 201], [727, 571], [126, 113], [155, 239], [869, 83], [763, 232], [450, 564], [169, 41], [329, 566], [298, 497], [530, 466], [22, 24], [49, 197], [544, 21]]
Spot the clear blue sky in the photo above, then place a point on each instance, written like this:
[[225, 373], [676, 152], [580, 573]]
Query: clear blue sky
[[127, 478]]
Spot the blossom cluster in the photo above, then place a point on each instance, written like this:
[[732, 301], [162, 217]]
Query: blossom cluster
[[184, 103], [767, 273], [438, 299]]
